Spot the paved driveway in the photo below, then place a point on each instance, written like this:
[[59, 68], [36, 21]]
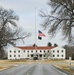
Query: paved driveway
[[33, 69]]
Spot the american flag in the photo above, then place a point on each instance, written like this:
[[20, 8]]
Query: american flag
[[40, 35]]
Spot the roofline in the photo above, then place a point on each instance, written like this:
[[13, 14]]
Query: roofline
[[37, 47]]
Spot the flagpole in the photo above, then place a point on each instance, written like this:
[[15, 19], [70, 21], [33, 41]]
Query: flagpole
[[35, 28]]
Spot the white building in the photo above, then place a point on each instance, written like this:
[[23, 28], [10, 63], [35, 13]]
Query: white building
[[30, 52]]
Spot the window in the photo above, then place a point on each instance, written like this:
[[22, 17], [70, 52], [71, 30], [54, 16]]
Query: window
[[24, 51], [57, 51], [40, 55], [10, 55], [19, 51], [53, 55], [44, 51], [32, 51], [14, 55], [57, 55], [62, 55], [28, 51], [48, 50], [40, 51], [53, 51], [28, 55], [62, 51], [36, 51], [31, 55], [10, 51], [18, 55], [14, 51], [44, 55]]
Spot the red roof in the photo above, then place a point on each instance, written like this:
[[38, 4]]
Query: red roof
[[35, 48]]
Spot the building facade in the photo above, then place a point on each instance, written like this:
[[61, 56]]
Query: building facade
[[30, 52]]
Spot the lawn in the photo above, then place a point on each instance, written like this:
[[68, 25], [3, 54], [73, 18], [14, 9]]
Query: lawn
[[62, 64], [66, 66], [4, 67]]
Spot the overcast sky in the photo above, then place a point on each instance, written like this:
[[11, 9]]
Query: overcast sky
[[25, 9]]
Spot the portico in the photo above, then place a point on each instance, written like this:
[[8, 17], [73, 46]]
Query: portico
[[36, 55]]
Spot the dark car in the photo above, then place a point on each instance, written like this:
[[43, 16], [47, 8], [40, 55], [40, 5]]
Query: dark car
[[35, 58]]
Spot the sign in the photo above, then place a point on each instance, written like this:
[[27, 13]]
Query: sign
[[70, 61]]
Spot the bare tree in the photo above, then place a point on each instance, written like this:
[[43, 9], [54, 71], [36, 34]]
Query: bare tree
[[48, 55], [9, 30], [60, 19], [69, 51]]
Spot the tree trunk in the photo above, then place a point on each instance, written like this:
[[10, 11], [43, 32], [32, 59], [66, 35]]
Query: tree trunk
[[2, 53]]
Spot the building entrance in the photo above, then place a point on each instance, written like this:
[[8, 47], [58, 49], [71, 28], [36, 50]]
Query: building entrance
[[35, 57]]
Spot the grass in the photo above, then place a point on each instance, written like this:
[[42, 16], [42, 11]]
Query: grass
[[62, 64], [1, 67], [4, 67], [66, 68], [17, 60], [12, 62]]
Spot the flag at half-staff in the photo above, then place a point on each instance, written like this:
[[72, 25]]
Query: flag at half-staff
[[40, 35]]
